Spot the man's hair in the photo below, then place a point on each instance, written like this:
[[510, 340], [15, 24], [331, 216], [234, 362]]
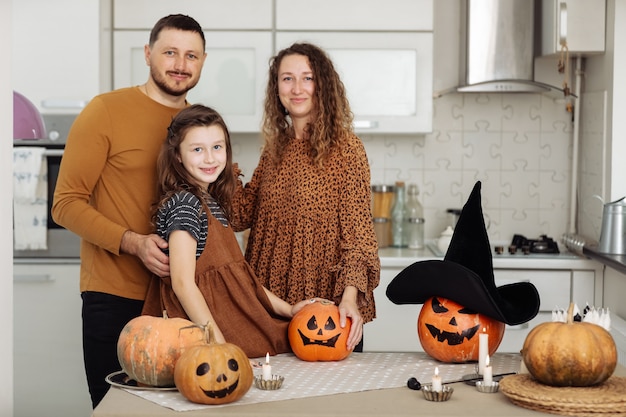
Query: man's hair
[[176, 21]]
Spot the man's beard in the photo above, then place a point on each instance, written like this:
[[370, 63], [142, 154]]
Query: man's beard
[[162, 85]]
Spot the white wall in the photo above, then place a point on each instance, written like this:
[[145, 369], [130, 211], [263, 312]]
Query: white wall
[[6, 216]]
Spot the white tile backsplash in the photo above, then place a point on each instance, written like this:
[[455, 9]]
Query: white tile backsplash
[[518, 145]]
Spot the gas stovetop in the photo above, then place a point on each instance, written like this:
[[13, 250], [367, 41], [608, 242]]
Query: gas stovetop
[[522, 246]]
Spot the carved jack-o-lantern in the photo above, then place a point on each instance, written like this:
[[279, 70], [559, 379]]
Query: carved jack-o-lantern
[[215, 373], [449, 332], [316, 335]]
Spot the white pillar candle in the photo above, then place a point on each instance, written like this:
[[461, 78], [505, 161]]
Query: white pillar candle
[[267, 369], [436, 381], [483, 350], [487, 374]]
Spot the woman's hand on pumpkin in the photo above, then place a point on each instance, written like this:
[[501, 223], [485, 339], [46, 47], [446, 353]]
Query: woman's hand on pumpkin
[[349, 309]]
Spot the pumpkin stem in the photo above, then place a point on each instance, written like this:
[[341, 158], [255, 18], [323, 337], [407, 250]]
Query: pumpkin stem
[[208, 332], [570, 313], [165, 314]]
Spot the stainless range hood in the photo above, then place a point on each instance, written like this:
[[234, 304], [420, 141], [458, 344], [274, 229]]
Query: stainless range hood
[[497, 47]]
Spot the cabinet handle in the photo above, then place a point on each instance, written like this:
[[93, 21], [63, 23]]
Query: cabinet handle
[[365, 124], [32, 278]]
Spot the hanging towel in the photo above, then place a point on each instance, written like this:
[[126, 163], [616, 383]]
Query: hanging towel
[[30, 198]]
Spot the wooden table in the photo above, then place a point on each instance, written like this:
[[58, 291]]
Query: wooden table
[[465, 401]]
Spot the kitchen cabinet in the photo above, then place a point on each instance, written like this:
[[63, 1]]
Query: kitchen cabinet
[[210, 14], [382, 51], [558, 283], [238, 46], [581, 23], [233, 77], [49, 378], [388, 76], [361, 15]]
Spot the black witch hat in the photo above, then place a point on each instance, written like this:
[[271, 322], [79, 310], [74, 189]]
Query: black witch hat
[[466, 274]]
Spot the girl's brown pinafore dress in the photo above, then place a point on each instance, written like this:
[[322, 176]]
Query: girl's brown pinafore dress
[[233, 293]]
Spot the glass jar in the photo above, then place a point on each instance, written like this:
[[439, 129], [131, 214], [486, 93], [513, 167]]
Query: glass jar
[[382, 201], [414, 220], [382, 228], [398, 216]]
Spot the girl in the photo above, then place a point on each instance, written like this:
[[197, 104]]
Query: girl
[[210, 281]]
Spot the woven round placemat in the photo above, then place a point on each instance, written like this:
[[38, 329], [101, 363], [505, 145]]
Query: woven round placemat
[[606, 399]]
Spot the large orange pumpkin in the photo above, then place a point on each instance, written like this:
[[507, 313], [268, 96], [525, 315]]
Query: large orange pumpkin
[[315, 333], [148, 347], [449, 332], [213, 373], [571, 354]]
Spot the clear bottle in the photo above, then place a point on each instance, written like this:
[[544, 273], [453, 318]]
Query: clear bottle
[[414, 220], [398, 216]]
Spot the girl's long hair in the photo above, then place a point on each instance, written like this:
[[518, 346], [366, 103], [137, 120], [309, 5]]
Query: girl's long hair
[[332, 118], [172, 175]]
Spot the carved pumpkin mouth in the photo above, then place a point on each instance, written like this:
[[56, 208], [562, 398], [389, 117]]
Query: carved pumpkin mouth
[[222, 392], [328, 342], [452, 338]]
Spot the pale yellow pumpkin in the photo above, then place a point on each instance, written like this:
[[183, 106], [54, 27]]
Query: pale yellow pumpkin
[[571, 354]]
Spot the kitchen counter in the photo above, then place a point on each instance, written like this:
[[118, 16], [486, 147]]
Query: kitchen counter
[[403, 257], [465, 401], [617, 262]]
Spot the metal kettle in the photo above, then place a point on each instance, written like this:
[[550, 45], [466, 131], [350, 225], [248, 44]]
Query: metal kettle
[[613, 233]]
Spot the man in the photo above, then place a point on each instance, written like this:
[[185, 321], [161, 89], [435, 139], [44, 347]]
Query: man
[[107, 183]]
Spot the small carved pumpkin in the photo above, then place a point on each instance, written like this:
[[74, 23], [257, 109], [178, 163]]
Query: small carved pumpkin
[[148, 347], [449, 332], [316, 335], [213, 373], [571, 354]]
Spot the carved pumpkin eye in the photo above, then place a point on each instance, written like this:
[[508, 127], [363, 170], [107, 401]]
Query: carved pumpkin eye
[[330, 324], [233, 365], [437, 306], [203, 369], [312, 323]]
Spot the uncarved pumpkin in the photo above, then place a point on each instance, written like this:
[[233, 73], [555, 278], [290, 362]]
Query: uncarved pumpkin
[[315, 333], [148, 347], [213, 373], [571, 354], [449, 332]]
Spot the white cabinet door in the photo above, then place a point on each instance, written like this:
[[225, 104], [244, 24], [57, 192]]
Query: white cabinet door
[[233, 77], [49, 377], [388, 76], [210, 14], [580, 23], [368, 15]]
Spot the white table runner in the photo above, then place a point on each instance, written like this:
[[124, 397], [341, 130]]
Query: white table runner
[[359, 372]]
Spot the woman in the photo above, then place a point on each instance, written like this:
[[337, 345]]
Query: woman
[[308, 201]]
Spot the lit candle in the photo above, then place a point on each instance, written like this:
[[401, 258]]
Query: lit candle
[[267, 368], [487, 374], [436, 381], [483, 350]]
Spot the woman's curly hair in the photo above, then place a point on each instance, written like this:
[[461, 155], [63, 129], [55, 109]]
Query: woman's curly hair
[[332, 118]]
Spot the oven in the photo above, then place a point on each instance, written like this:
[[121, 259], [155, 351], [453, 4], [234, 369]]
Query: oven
[[61, 243]]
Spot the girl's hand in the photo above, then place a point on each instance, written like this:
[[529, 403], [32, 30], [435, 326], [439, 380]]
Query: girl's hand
[[300, 305]]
